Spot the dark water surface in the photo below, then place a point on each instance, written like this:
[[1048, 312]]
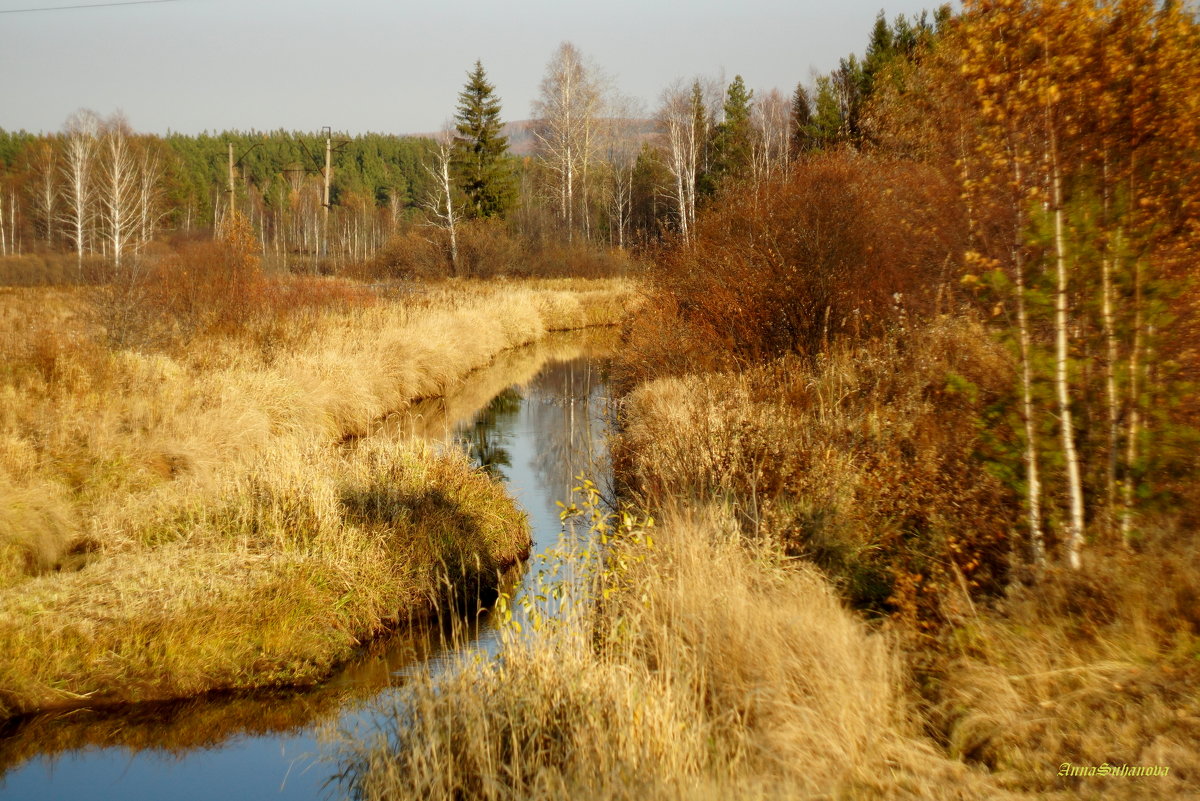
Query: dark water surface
[[536, 419]]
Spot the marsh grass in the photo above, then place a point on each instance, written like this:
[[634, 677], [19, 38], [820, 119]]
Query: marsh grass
[[180, 519], [711, 670], [1093, 668], [306, 557], [871, 462]]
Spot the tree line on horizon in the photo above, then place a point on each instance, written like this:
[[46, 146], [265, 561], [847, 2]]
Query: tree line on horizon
[[604, 170]]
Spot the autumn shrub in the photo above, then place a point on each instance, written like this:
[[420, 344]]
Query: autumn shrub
[[212, 288], [413, 254], [577, 260], [486, 249], [204, 287], [490, 249], [872, 462], [841, 247]]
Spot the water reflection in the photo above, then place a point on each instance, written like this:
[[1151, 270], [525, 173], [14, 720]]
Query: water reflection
[[484, 440], [535, 418], [569, 420]]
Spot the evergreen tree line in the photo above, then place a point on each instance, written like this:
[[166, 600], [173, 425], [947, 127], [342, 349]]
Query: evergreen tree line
[[604, 171], [277, 180]]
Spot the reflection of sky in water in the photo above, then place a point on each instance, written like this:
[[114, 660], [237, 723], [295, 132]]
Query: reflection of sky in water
[[537, 438], [557, 434], [250, 768]]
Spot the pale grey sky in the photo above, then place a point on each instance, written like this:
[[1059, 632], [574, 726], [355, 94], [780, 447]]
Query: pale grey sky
[[393, 67]]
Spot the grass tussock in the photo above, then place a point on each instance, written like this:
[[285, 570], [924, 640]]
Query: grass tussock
[[710, 671], [177, 517], [305, 557]]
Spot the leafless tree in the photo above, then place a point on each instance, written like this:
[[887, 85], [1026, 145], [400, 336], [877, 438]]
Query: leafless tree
[[770, 115], [439, 202], [118, 194], [149, 194], [43, 190], [78, 168], [685, 117], [623, 139], [567, 129]]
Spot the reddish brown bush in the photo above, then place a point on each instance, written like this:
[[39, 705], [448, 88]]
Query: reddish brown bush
[[213, 288], [841, 247], [487, 249], [411, 254]]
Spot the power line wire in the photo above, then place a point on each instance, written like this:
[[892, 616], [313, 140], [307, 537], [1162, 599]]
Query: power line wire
[[90, 5]]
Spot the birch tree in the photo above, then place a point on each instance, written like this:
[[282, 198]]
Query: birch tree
[[118, 191], [439, 202], [682, 118], [566, 114], [770, 119], [78, 171], [1091, 112], [992, 63], [622, 145], [43, 189], [150, 210], [1017, 93]]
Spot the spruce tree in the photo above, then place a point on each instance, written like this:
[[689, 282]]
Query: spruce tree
[[801, 122], [825, 128], [481, 167], [880, 50], [734, 136]]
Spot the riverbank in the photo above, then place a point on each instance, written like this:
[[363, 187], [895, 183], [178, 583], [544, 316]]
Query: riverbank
[[708, 670], [879, 462], [181, 521]]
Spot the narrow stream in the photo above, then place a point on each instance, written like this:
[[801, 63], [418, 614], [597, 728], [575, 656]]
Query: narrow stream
[[535, 419]]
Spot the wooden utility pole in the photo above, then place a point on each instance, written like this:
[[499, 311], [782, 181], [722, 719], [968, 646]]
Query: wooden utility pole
[[325, 201], [230, 188]]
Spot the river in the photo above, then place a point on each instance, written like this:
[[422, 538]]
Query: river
[[536, 418]]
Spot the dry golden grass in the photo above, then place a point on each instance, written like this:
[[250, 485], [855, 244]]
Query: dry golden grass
[[303, 558], [869, 463], [713, 671], [112, 431], [224, 538], [1092, 668]]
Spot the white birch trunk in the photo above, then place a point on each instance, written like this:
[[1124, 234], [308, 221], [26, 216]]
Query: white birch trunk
[[1075, 524], [78, 168]]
